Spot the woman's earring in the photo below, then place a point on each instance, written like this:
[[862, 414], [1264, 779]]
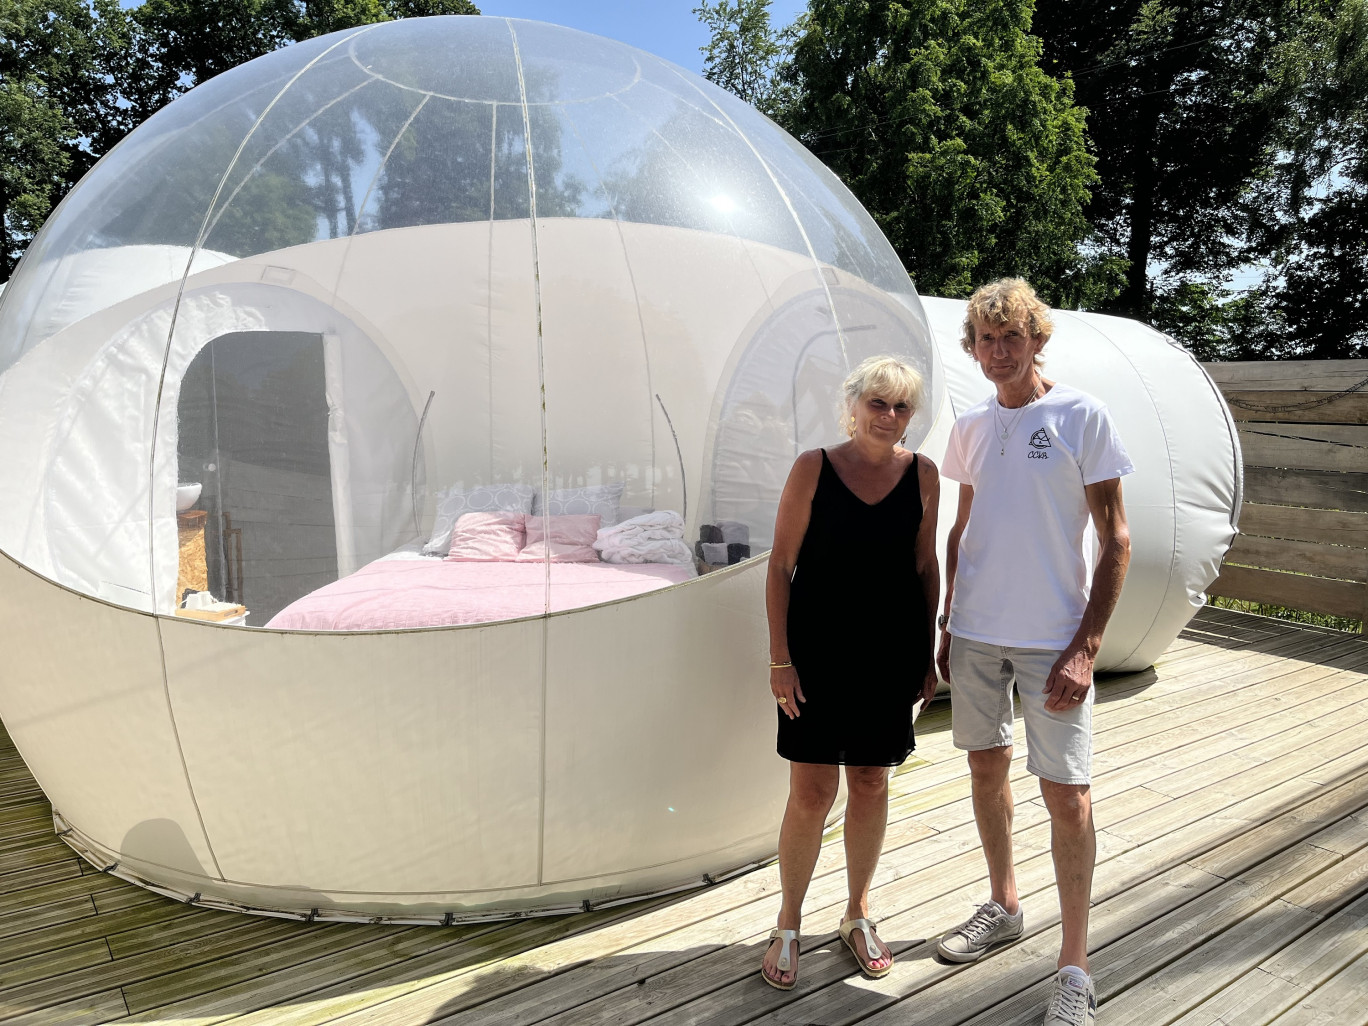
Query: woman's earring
[[902, 439]]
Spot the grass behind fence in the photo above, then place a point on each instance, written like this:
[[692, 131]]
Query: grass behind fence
[[1336, 623]]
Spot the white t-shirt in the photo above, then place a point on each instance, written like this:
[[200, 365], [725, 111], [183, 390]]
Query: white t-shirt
[[1022, 578]]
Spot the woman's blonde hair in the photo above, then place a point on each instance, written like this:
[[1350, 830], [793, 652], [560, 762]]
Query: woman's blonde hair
[[1005, 301], [890, 377]]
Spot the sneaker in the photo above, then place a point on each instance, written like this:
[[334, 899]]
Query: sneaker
[[1073, 1002], [988, 926]]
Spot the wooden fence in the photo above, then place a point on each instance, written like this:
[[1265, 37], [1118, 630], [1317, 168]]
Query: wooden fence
[[1303, 540]]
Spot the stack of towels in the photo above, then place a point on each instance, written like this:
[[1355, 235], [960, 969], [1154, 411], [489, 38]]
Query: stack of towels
[[723, 543]]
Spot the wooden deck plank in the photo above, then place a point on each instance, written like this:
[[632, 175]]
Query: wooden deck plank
[[36, 876], [1337, 1002], [1129, 940], [47, 964], [94, 1010], [1237, 750], [939, 862], [1220, 960], [110, 928], [765, 913], [46, 917], [329, 987], [1116, 916], [1119, 877], [486, 1011], [19, 902], [35, 853], [233, 943]]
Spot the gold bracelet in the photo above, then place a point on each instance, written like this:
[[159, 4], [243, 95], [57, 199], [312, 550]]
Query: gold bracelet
[[780, 666]]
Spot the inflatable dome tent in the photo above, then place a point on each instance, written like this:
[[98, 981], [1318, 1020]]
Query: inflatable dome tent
[[391, 431]]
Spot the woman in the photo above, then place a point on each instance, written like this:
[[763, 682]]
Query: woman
[[851, 598]]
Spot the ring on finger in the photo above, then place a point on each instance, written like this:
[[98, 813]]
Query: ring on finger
[[783, 700]]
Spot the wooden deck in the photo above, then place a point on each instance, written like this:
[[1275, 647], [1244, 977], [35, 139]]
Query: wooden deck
[[1231, 793]]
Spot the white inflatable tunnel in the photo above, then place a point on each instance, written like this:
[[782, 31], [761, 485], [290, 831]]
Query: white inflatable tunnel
[[389, 450]]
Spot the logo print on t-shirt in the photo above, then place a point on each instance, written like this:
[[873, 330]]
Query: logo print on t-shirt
[[1040, 440]]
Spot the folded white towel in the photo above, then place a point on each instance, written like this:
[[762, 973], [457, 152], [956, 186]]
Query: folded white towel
[[650, 538]]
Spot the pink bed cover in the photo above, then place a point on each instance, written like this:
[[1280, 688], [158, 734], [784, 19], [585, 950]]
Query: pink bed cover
[[395, 594]]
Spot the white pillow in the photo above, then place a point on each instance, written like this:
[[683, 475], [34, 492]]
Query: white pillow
[[454, 501], [601, 500]]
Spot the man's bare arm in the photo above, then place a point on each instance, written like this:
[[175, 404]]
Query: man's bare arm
[[1072, 672]]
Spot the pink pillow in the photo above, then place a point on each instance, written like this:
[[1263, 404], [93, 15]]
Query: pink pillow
[[486, 537], [572, 538]]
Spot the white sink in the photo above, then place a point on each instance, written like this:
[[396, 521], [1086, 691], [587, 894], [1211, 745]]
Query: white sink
[[187, 495]]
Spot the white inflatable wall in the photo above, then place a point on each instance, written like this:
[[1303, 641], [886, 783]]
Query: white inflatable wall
[[1183, 500], [559, 263]]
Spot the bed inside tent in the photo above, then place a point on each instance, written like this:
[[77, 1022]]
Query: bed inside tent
[[365, 465]]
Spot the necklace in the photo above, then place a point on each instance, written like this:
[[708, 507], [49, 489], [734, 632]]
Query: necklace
[[1005, 431]]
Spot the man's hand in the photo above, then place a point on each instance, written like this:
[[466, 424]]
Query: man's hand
[[943, 656], [929, 686], [1069, 680]]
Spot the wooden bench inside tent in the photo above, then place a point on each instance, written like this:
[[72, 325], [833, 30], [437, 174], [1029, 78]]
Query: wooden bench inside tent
[[1232, 887]]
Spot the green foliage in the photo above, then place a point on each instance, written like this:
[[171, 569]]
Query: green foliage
[[937, 115], [1301, 214], [1315, 223], [177, 44], [1334, 623], [33, 160], [78, 75], [743, 49], [58, 103], [1182, 111]]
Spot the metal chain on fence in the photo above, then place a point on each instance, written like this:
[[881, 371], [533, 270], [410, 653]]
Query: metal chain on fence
[[1308, 404]]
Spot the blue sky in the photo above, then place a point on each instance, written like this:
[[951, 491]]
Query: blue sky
[[666, 28]]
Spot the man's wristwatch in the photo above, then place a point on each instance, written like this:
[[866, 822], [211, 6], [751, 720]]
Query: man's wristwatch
[[942, 621]]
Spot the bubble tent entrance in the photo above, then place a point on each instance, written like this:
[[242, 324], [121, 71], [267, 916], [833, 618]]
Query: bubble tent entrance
[[359, 279]]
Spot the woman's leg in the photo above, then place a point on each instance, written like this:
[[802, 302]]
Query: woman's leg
[[812, 790], [866, 820]]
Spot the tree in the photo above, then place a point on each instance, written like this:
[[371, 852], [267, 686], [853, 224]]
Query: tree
[[78, 75], [58, 104], [1183, 110], [938, 117], [180, 43], [743, 50], [1315, 227]]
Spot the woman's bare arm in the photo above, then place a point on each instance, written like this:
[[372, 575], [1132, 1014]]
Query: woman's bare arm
[[928, 565], [966, 500], [790, 526]]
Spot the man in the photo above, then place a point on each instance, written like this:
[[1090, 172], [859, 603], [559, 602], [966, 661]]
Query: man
[[1035, 462]]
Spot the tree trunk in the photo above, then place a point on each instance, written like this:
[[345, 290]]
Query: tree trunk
[[1134, 300], [6, 262]]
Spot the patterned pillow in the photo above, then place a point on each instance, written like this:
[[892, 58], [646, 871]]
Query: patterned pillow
[[600, 500], [513, 498]]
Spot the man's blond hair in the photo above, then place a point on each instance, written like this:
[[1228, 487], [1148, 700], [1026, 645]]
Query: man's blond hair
[[1006, 301]]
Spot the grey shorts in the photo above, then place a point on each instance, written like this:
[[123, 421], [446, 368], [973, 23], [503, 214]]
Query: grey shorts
[[1059, 744]]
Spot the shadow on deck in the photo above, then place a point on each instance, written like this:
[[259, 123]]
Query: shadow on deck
[[1231, 797]]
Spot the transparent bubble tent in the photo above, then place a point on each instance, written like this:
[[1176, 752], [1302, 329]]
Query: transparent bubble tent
[[391, 431]]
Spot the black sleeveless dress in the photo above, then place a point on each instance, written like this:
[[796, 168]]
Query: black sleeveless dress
[[857, 627]]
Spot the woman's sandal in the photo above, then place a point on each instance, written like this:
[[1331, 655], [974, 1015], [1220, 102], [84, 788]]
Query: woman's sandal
[[785, 963], [866, 927]]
